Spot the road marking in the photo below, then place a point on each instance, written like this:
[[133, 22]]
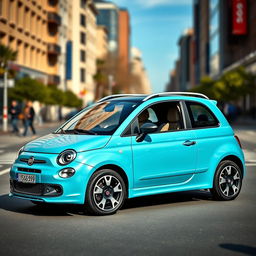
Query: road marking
[[6, 162], [250, 164], [250, 161], [4, 171]]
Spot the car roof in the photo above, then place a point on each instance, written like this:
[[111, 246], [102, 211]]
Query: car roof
[[146, 97]]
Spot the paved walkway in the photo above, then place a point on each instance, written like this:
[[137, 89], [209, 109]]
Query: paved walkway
[[8, 139]]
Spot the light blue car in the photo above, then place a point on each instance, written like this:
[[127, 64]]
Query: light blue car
[[127, 146]]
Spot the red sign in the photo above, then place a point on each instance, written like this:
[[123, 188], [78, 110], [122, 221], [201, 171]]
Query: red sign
[[239, 13]]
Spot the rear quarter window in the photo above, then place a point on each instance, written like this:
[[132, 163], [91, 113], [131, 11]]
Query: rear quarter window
[[201, 116]]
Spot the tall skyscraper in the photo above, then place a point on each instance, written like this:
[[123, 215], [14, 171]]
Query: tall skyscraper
[[124, 47], [108, 16]]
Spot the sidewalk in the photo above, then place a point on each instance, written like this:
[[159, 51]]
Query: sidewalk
[[8, 139], [244, 123]]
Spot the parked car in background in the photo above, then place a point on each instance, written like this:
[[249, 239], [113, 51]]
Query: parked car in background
[[126, 146]]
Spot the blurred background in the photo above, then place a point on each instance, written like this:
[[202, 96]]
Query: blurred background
[[63, 55]]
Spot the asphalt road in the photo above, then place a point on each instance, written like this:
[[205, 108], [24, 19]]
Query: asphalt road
[[187, 223]]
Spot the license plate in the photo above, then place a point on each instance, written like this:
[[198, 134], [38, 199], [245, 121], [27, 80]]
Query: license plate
[[26, 178]]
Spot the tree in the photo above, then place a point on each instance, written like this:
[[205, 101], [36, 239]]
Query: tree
[[71, 100], [55, 96], [6, 55], [231, 86], [28, 89]]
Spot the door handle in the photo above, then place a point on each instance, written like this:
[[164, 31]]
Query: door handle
[[189, 143]]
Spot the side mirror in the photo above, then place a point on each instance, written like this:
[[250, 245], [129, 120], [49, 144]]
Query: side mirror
[[146, 129]]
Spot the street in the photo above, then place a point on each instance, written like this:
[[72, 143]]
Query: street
[[186, 223]]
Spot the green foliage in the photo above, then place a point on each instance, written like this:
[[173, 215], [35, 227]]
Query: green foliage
[[71, 100], [6, 54], [231, 86], [55, 96], [30, 89]]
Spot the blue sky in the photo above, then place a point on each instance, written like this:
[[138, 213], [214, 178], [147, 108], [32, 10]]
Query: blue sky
[[156, 26]]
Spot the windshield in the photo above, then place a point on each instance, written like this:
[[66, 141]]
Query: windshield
[[100, 119]]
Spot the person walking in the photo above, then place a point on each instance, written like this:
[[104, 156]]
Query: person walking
[[29, 114], [15, 112]]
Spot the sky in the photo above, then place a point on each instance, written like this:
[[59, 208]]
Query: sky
[[156, 26]]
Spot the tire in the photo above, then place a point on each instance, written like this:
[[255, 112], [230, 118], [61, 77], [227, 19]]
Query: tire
[[106, 192], [227, 181]]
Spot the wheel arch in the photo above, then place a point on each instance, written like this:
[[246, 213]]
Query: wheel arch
[[236, 160], [119, 170]]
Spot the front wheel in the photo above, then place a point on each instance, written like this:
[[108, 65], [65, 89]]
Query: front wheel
[[105, 193], [227, 181]]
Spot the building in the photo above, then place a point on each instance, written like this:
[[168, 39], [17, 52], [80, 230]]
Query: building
[[201, 39], [31, 28], [225, 38], [224, 30], [64, 37], [102, 42], [83, 49], [139, 79], [124, 48], [108, 16], [173, 84], [185, 53]]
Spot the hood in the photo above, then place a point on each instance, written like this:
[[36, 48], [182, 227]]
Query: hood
[[56, 143]]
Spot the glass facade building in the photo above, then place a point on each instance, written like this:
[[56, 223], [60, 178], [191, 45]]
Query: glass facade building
[[108, 17], [214, 37]]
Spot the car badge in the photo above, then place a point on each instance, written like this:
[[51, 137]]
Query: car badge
[[31, 160]]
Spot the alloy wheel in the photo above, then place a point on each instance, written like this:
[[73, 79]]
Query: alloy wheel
[[229, 181], [108, 193]]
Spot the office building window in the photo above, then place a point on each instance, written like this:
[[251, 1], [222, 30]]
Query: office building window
[[214, 37], [1, 7], [83, 4], [82, 38], [82, 75], [82, 20], [82, 56]]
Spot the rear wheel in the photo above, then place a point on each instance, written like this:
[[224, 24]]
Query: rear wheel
[[227, 181], [105, 193]]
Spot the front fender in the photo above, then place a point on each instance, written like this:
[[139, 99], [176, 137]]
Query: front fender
[[114, 154]]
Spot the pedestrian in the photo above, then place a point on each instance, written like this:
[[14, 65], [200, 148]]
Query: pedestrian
[[15, 112], [29, 114]]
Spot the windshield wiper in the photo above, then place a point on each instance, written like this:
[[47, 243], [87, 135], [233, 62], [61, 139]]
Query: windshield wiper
[[61, 131], [79, 131]]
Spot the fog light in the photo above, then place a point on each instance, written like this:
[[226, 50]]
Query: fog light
[[52, 190], [67, 173]]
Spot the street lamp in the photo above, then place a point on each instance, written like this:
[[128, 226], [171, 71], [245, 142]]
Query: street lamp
[[5, 102]]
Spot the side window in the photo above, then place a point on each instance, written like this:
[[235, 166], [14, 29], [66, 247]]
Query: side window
[[166, 115], [200, 115]]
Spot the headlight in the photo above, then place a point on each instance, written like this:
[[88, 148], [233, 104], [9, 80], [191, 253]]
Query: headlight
[[66, 157], [20, 151]]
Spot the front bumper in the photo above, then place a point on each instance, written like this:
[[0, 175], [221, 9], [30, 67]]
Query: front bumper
[[49, 186]]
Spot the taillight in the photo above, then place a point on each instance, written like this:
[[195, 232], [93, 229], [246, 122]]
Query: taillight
[[239, 142]]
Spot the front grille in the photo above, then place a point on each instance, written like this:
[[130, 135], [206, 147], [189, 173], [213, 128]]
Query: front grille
[[29, 189], [36, 161], [38, 189], [21, 169]]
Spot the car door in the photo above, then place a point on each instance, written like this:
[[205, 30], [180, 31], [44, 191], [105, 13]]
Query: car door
[[209, 135], [164, 157]]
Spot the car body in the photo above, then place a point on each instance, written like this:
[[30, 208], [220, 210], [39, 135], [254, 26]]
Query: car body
[[133, 145]]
